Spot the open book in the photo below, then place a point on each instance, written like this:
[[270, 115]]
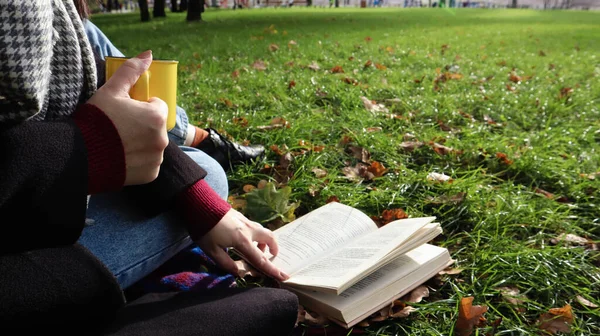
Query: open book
[[328, 251]]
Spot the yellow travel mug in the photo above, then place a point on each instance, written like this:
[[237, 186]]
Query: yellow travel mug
[[159, 81]]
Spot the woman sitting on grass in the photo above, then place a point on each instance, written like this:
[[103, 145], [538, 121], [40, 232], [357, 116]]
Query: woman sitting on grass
[[63, 139]]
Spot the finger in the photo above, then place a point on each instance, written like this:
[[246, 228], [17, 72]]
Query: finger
[[260, 261], [262, 247], [223, 260], [266, 236], [127, 74]]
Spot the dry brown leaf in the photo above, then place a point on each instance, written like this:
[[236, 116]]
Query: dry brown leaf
[[450, 271], [237, 203], [368, 64], [360, 153], [262, 184], [286, 160], [512, 295], [544, 193], [235, 74], [504, 158], [314, 66], [319, 173], [248, 188], [377, 169], [410, 146], [469, 316], [358, 173], [565, 92], [240, 121], [448, 199], [337, 69], [259, 65], [417, 295], [332, 199], [441, 149], [273, 47], [373, 107], [514, 78], [291, 84], [557, 320], [404, 312], [244, 269], [585, 302], [373, 129], [390, 215], [380, 66], [292, 43]]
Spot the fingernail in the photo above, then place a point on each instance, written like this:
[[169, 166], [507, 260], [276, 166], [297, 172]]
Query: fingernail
[[283, 276], [145, 55]]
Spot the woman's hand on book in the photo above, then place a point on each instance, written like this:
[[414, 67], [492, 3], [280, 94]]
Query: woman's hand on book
[[237, 231]]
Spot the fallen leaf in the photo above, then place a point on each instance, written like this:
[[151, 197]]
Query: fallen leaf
[[358, 173], [441, 149], [286, 160], [373, 107], [235, 74], [541, 53], [291, 84], [368, 39], [259, 65], [237, 203], [417, 295], [380, 66], [585, 302], [557, 320], [450, 271], [373, 129], [311, 318], [291, 43], [268, 204], [277, 122], [332, 199], [244, 269], [390, 215], [377, 169], [544, 193], [575, 240], [565, 92], [349, 80], [513, 296], [337, 69], [319, 173], [469, 316], [447, 199], [273, 47], [514, 78], [248, 188], [262, 184], [314, 66], [504, 158], [437, 177], [368, 64], [360, 153], [410, 146], [404, 312], [240, 121]]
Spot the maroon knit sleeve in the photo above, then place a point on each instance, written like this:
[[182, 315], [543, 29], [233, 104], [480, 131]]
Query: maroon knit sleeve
[[105, 152], [203, 208]]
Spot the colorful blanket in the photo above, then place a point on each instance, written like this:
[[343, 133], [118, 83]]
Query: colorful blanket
[[190, 270]]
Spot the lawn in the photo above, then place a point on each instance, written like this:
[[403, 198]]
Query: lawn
[[504, 103]]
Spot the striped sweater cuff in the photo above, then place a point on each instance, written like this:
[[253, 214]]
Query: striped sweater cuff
[[203, 208]]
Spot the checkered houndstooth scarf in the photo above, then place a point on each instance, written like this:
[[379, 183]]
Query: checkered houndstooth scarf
[[47, 66]]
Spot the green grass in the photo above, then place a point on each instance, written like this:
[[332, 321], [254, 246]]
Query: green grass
[[500, 234]]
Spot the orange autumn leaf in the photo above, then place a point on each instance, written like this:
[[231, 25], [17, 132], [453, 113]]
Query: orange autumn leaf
[[227, 102], [368, 64], [291, 84], [235, 74], [557, 320], [544, 193], [349, 80], [318, 148], [514, 78], [504, 158], [380, 66], [390, 215], [337, 69], [377, 169], [332, 199], [240, 121], [469, 316], [248, 188], [368, 39]]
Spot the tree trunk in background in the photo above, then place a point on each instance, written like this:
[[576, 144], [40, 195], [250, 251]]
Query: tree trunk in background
[[109, 5], [337, 3], [144, 10], [174, 8], [195, 9], [159, 8], [514, 4], [183, 5]]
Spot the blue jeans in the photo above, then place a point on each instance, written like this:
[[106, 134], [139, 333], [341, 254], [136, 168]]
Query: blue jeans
[[132, 245], [103, 47]]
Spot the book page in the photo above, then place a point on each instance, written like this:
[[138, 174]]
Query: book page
[[375, 287], [318, 232], [339, 267]]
